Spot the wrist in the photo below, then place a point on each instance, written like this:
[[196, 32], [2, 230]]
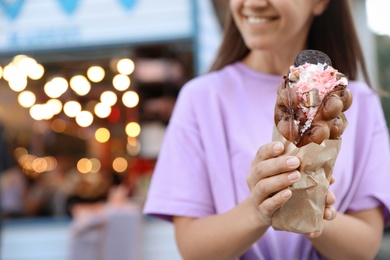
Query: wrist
[[253, 217]]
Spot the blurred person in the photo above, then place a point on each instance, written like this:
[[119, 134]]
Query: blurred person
[[219, 179], [13, 187]]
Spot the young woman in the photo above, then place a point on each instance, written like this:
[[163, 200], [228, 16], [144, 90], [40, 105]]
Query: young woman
[[218, 176]]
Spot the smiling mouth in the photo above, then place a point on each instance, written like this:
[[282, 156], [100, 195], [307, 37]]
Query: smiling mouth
[[258, 20]]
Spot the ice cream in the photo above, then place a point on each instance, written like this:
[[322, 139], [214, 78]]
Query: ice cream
[[309, 121], [311, 100]]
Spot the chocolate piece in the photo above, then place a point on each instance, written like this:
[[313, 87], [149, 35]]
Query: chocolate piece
[[311, 98]]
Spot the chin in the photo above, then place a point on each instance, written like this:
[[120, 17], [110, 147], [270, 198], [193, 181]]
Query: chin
[[258, 45]]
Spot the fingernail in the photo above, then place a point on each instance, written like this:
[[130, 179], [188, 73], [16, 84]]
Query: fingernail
[[277, 147], [313, 234], [286, 193], [293, 162], [294, 176]]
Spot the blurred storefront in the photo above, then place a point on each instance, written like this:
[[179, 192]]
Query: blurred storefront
[[86, 91]]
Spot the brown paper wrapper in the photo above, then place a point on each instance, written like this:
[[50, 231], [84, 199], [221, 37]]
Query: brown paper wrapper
[[304, 211]]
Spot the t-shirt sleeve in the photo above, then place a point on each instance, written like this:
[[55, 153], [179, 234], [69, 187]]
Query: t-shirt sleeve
[[374, 164], [180, 185]]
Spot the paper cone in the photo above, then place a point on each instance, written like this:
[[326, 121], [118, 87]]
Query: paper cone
[[304, 211]]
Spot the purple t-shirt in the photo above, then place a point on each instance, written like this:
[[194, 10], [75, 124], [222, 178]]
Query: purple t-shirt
[[219, 122]]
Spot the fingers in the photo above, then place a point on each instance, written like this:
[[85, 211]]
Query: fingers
[[330, 211], [271, 204], [330, 198], [268, 186], [271, 167], [332, 180], [268, 151]]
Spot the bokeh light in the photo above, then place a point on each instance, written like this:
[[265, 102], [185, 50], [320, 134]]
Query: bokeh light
[[125, 66], [95, 73], [102, 110], [119, 164], [109, 98], [26, 99], [72, 108], [80, 85], [54, 105], [121, 82], [102, 135], [84, 118], [84, 165], [133, 129], [58, 125], [133, 146], [36, 72], [130, 99], [96, 165]]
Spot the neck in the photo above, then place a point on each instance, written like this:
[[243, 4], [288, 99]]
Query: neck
[[271, 62]]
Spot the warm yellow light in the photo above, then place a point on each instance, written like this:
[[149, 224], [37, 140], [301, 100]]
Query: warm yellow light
[[36, 72], [84, 118], [54, 105], [24, 63], [60, 84], [102, 135], [109, 98], [37, 112], [130, 99], [102, 110], [121, 82], [39, 165], [133, 129], [96, 73], [72, 108], [53, 90], [19, 151], [1, 72], [133, 146], [96, 165], [84, 165], [80, 85], [9, 71], [125, 66], [17, 81], [119, 164], [51, 163], [58, 125], [26, 99]]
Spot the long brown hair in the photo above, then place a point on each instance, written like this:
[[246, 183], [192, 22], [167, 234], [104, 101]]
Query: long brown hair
[[333, 33]]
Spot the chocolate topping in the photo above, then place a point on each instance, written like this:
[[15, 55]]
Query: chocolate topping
[[312, 57]]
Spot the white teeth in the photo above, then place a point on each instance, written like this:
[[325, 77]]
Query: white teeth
[[257, 20]]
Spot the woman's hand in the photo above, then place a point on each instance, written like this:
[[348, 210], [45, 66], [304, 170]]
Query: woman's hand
[[269, 178]]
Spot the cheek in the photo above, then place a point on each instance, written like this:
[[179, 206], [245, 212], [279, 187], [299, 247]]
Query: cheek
[[234, 7]]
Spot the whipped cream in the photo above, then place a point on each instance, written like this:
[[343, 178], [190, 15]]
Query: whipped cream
[[314, 81]]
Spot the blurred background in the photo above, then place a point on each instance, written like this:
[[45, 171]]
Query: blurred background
[[87, 88]]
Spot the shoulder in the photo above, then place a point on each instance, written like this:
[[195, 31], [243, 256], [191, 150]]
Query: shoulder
[[360, 88], [366, 106], [364, 97], [211, 81]]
